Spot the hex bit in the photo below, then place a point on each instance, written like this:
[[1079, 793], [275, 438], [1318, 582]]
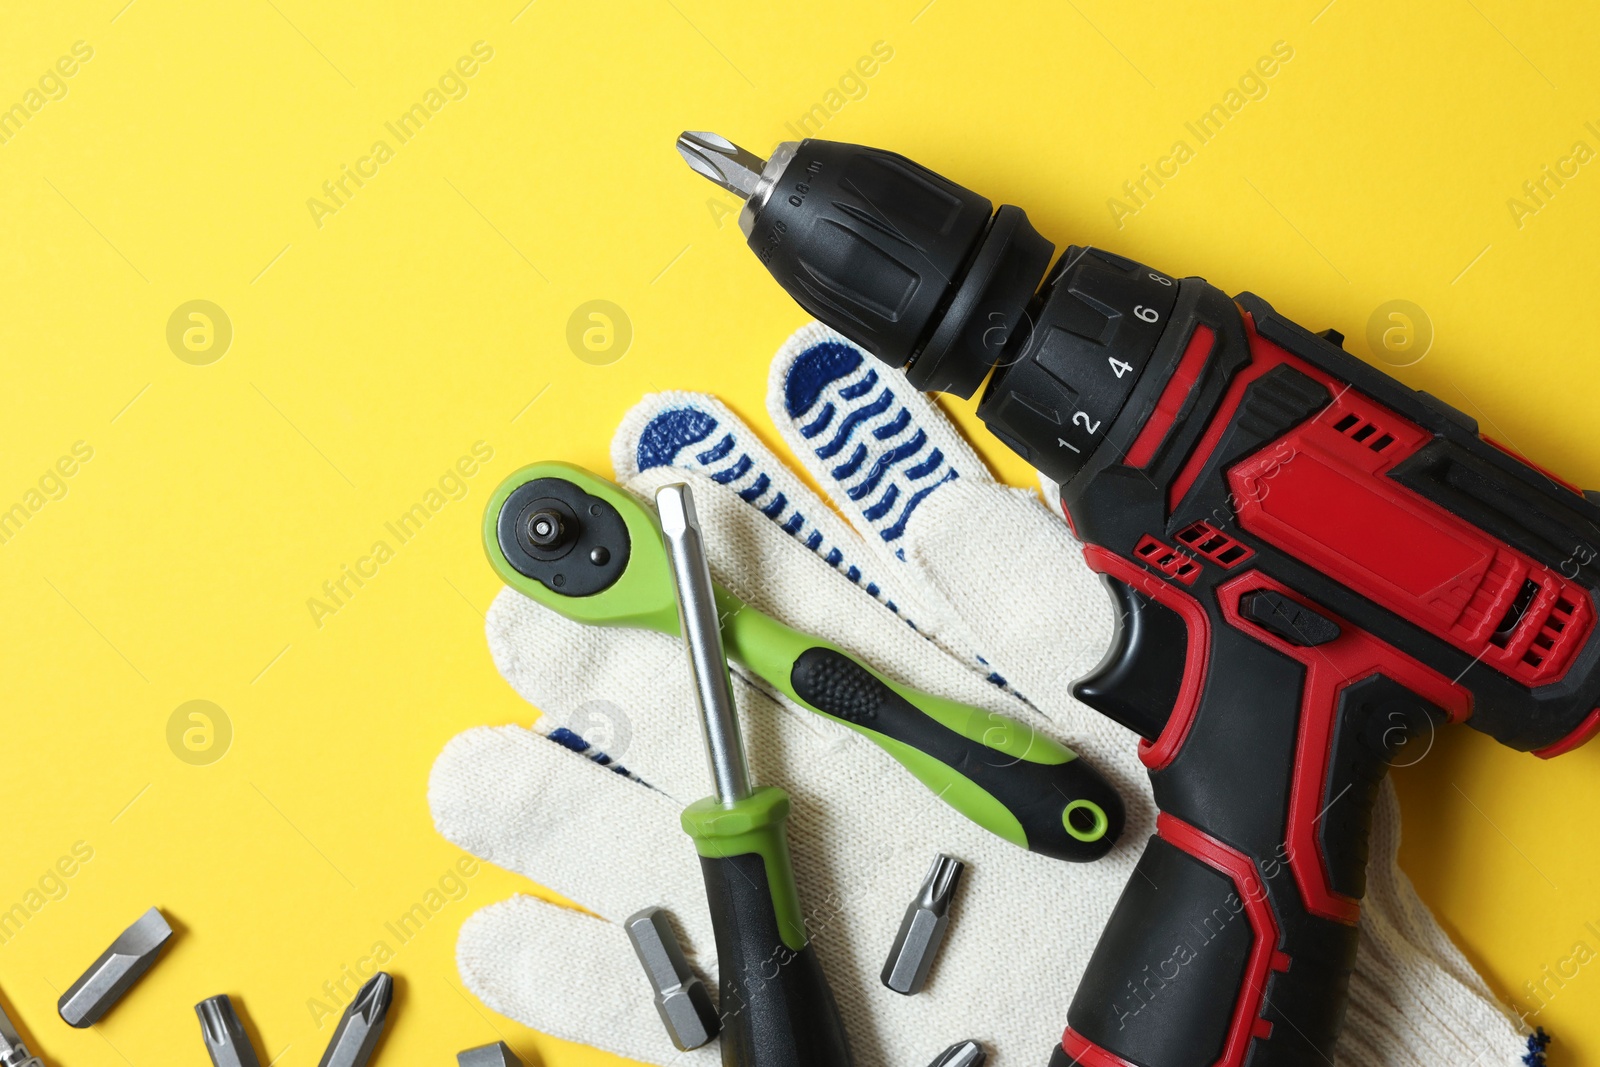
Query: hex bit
[[361, 1025], [498, 1054], [681, 997], [115, 972], [923, 928], [224, 1034]]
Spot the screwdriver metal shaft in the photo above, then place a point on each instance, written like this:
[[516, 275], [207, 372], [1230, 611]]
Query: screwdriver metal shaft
[[702, 633]]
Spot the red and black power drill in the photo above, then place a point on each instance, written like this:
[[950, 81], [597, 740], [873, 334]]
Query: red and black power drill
[[1311, 563]]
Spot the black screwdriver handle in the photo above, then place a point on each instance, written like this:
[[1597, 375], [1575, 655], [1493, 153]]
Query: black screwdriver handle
[[776, 1007]]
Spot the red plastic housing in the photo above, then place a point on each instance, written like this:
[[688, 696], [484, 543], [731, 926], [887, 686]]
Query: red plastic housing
[[1321, 494]]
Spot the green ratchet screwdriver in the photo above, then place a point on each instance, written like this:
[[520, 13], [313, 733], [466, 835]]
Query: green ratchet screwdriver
[[584, 547]]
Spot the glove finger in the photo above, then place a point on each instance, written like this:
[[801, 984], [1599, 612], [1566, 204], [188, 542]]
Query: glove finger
[[878, 447], [983, 553], [518, 801], [696, 432], [623, 697], [569, 975]]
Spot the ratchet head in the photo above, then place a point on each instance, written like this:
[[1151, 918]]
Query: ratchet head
[[581, 546]]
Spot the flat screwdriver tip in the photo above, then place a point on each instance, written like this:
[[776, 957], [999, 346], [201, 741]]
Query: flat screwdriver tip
[[720, 160]]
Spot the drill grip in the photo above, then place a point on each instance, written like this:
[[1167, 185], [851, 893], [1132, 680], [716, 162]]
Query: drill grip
[[1236, 934]]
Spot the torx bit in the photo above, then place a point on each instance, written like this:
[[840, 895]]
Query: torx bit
[[680, 996], [923, 928], [356, 1037], [722, 161], [963, 1054], [224, 1034], [13, 1053], [114, 973], [495, 1055]]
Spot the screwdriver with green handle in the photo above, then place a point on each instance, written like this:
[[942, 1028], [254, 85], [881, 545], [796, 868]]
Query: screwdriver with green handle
[[776, 1007], [584, 547]]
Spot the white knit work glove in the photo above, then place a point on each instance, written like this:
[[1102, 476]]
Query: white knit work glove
[[949, 582]]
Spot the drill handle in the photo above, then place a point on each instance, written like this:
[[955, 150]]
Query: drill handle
[[1236, 935]]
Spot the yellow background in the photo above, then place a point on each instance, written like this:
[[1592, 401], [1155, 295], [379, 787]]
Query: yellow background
[[431, 310]]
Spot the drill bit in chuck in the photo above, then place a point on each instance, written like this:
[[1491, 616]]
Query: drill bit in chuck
[[722, 161]]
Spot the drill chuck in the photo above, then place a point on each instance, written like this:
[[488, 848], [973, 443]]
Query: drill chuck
[[918, 270]]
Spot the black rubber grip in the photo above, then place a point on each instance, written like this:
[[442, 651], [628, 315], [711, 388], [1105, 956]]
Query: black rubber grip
[[1039, 795], [776, 1007]]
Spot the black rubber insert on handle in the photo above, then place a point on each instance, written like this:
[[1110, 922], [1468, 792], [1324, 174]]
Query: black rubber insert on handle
[[776, 1007], [1037, 794]]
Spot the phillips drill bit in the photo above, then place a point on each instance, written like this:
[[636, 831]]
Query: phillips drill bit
[[114, 973], [356, 1037], [13, 1053], [224, 1034], [722, 161]]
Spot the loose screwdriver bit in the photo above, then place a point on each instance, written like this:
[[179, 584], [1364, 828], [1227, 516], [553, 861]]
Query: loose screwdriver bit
[[114, 973], [722, 161], [495, 1055], [923, 928], [964, 1054], [13, 1053], [681, 997], [224, 1034], [356, 1037]]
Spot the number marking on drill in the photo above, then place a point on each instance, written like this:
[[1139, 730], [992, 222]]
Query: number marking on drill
[[1145, 314], [1092, 425], [1063, 443], [1118, 367]]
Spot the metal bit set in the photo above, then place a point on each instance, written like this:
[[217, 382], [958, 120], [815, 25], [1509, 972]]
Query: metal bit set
[[135, 951], [354, 1040]]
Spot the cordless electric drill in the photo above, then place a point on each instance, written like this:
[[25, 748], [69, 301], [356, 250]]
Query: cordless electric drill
[[1310, 562]]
